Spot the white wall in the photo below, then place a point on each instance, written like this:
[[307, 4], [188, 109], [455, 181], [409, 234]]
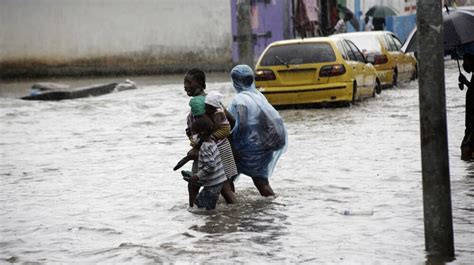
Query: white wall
[[60, 30]]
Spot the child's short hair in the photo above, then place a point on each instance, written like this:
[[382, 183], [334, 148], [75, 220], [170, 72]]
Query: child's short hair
[[198, 75], [203, 124]]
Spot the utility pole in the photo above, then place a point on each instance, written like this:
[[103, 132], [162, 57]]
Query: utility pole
[[433, 129], [244, 33]]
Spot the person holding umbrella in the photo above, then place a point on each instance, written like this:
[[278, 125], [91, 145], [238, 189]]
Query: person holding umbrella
[[369, 25], [353, 20], [379, 12], [458, 39], [379, 23], [341, 24], [467, 145]]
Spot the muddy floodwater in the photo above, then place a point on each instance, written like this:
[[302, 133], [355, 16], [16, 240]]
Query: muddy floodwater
[[91, 181]]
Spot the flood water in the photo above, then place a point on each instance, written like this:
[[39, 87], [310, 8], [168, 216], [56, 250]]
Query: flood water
[[91, 181]]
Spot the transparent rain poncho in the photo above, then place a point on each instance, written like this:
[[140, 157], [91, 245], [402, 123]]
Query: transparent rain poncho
[[259, 136]]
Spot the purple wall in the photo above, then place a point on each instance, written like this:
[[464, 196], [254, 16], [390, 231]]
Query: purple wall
[[271, 21]]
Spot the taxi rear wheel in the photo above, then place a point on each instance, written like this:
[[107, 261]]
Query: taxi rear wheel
[[378, 87], [395, 77], [354, 92]]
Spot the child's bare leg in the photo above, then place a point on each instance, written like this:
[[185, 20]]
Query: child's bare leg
[[227, 193], [193, 191]]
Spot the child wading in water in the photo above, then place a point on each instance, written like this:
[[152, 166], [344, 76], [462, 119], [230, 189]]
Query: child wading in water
[[210, 172]]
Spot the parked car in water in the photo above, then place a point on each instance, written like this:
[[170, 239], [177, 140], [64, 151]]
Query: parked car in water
[[383, 49], [314, 70]]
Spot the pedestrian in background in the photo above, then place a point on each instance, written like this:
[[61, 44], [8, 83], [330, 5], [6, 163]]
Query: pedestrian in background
[[259, 136], [341, 26], [369, 26], [379, 23], [467, 145]]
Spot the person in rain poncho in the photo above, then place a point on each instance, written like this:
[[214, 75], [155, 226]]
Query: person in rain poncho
[[259, 136]]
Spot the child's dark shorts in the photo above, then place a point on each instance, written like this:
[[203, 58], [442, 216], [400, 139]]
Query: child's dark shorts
[[208, 196]]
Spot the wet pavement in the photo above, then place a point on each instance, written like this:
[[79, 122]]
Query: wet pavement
[[91, 181]]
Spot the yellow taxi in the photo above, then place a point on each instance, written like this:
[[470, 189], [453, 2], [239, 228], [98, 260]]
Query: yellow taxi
[[314, 70], [383, 49]]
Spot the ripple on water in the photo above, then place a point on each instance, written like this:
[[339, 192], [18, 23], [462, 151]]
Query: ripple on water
[[104, 230]]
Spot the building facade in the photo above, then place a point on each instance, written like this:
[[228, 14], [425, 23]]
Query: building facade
[[57, 37]]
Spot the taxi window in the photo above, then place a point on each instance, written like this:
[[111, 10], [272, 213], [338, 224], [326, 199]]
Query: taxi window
[[299, 53], [341, 49], [356, 52], [391, 43], [398, 43], [349, 52], [366, 43]]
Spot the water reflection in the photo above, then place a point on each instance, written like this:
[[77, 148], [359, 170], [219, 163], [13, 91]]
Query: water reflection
[[470, 169], [438, 260], [260, 220]]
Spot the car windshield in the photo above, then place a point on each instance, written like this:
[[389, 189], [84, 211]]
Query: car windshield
[[366, 43], [298, 53]]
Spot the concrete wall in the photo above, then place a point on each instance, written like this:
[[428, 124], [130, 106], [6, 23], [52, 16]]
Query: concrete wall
[[110, 36]]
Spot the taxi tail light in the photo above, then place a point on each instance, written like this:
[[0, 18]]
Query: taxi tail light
[[332, 70], [380, 59], [264, 75]]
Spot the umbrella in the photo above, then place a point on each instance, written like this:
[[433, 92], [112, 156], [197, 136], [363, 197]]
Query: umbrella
[[457, 24], [458, 27], [355, 23], [347, 12], [458, 34], [380, 11]]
